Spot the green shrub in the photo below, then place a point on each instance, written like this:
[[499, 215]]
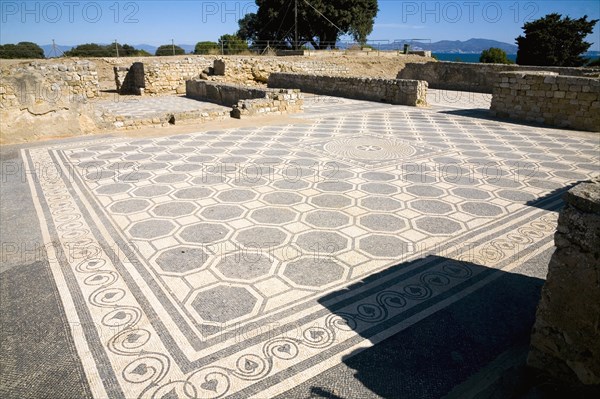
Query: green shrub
[[232, 44], [206, 48], [494, 55], [169, 49], [21, 50]]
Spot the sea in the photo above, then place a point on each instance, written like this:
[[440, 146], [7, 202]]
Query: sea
[[467, 57]]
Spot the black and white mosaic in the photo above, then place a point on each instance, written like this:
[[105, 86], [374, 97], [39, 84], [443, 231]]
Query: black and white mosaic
[[215, 264]]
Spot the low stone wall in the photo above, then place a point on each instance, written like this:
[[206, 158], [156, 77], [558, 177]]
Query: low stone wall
[[565, 342], [246, 101], [166, 119], [545, 97], [480, 78], [221, 93], [392, 91]]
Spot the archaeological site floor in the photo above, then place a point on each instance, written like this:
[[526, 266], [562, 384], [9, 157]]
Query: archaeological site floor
[[367, 250]]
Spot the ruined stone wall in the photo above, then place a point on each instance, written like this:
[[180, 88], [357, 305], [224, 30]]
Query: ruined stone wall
[[168, 76], [565, 342], [545, 97], [246, 101], [47, 99], [392, 91], [34, 83], [480, 78]]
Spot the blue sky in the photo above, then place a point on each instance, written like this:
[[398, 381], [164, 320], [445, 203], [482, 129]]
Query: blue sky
[[187, 22]]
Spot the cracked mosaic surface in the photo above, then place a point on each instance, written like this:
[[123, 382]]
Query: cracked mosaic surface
[[208, 264]]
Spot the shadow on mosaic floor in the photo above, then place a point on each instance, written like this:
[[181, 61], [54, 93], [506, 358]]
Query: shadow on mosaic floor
[[431, 356]]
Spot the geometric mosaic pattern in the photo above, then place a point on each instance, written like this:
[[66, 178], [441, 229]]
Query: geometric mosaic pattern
[[196, 265]]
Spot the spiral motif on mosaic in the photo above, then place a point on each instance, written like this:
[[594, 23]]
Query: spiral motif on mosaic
[[123, 317], [129, 342], [148, 368], [252, 367], [457, 270], [209, 382], [370, 312], [317, 337], [281, 348], [435, 279], [391, 299], [416, 291], [106, 297]]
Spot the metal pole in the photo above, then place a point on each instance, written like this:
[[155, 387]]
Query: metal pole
[[117, 47], [296, 25], [173, 46]]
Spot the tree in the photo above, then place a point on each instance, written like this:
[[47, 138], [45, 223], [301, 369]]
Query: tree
[[90, 50], [205, 47], [554, 41], [232, 44], [320, 22], [21, 50], [108, 50], [494, 55], [169, 49]]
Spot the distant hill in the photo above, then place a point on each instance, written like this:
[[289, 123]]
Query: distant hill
[[456, 46], [48, 52], [471, 46]]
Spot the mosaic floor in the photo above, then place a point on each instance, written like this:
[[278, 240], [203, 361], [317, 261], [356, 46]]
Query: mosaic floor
[[148, 107], [245, 261]]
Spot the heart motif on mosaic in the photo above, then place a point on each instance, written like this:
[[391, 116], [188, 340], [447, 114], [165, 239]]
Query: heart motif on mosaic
[[210, 385], [141, 369], [316, 334], [170, 395], [250, 365]]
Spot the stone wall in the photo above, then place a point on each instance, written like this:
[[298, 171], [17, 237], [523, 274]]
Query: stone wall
[[46, 99], [168, 76], [545, 97], [246, 101], [480, 78], [37, 84], [130, 80], [392, 91], [119, 122], [565, 342]]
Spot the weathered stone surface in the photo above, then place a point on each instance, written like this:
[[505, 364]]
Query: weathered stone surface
[[166, 75], [246, 101], [219, 67], [481, 78], [392, 91], [565, 341], [545, 97]]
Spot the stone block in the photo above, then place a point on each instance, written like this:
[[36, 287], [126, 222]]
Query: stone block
[[219, 67], [565, 340]]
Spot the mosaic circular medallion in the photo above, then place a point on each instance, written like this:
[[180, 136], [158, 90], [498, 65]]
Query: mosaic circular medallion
[[369, 148]]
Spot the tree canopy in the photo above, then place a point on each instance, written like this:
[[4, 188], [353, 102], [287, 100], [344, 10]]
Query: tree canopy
[[232, 44], [494, 55], [554, 41], [205, 47], [21, 50], [107, 50], [169, 49], [320, 22]]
